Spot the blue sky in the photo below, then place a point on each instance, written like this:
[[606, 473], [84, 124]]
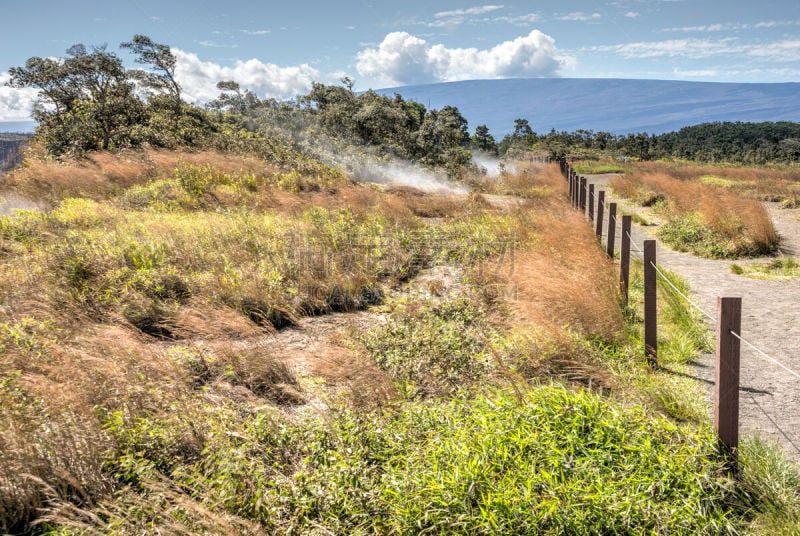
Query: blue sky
[[278, 48]]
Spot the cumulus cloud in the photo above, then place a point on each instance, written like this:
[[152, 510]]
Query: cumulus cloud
[[15, 104], [402, 58], [632, 14], [199, 78]]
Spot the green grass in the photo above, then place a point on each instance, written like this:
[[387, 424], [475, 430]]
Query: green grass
[[597, 168], [687, 233], [780, 269], [546, 461]]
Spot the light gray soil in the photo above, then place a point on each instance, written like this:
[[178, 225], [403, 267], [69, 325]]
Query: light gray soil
[[769, 396]]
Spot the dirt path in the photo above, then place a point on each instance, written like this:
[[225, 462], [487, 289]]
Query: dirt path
[[769, 396]]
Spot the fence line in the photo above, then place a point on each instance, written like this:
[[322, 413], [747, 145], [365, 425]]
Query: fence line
[[726, 395]]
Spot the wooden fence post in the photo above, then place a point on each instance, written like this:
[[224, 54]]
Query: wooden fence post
[[650, 310], [601, 197], [625, 257], [612, 229], [574, 189], [568, 175], [591, 202], [726, 387], [583, 195]]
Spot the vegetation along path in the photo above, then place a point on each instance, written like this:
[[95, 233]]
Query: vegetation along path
[[769, 395]]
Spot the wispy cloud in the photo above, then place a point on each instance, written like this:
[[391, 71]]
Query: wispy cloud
[[733, 26], [580, 16], [631, 14], [478, 10], [214, 44], [478, 16], [255, 32], [787, 72], [776, 51]]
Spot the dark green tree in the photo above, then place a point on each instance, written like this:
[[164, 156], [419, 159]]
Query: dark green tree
[[86, 100], [161, 59], [483, 141]]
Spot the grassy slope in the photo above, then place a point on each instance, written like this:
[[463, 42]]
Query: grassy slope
[[137, 397], [703, 215]]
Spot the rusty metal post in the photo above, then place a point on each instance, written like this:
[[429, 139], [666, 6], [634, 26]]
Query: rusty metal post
[[591, 202], [612, 229], [625, 257], [601, 197], [726, 386], [650, 308]]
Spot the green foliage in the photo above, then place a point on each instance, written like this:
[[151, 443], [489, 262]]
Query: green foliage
[[770, 486], [777, 269], [432, 348], [686, 233], [592, 168], [550, 461]]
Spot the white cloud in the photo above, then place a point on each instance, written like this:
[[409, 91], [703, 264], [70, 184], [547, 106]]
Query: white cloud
[[479, 10], [698, 73], [402, 58], [733, 26], [199, 78], [631, 14], [476, 16], [580, 16], [15, 104], [776, 51], [517, 20], [690, 48], [255, 32], [787, 72], [214, 44]]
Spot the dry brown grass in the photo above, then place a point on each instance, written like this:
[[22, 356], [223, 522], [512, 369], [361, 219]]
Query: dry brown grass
[[531, 181], [70, 362], [356, 379], [742, 221], [762, 183]]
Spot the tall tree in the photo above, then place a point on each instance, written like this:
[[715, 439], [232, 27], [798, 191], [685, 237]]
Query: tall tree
[[161, 59], [484, 141], [86, 99]]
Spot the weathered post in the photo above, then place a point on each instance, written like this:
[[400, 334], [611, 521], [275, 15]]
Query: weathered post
[[571, 186], [726, 387], [625, 257], [591, 202], [601, 197], [575, 189], [583, 195], [612, 229], [650, 309]]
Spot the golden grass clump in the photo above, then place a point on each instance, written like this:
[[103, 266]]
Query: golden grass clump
[[737, 225]]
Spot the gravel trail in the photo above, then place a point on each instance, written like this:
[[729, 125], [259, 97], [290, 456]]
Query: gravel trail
[[769, 395]]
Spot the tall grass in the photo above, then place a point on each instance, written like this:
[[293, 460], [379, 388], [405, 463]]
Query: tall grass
[[703, 218], [145, 386]]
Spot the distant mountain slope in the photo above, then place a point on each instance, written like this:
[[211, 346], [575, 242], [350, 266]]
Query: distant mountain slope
[[615, 105]]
